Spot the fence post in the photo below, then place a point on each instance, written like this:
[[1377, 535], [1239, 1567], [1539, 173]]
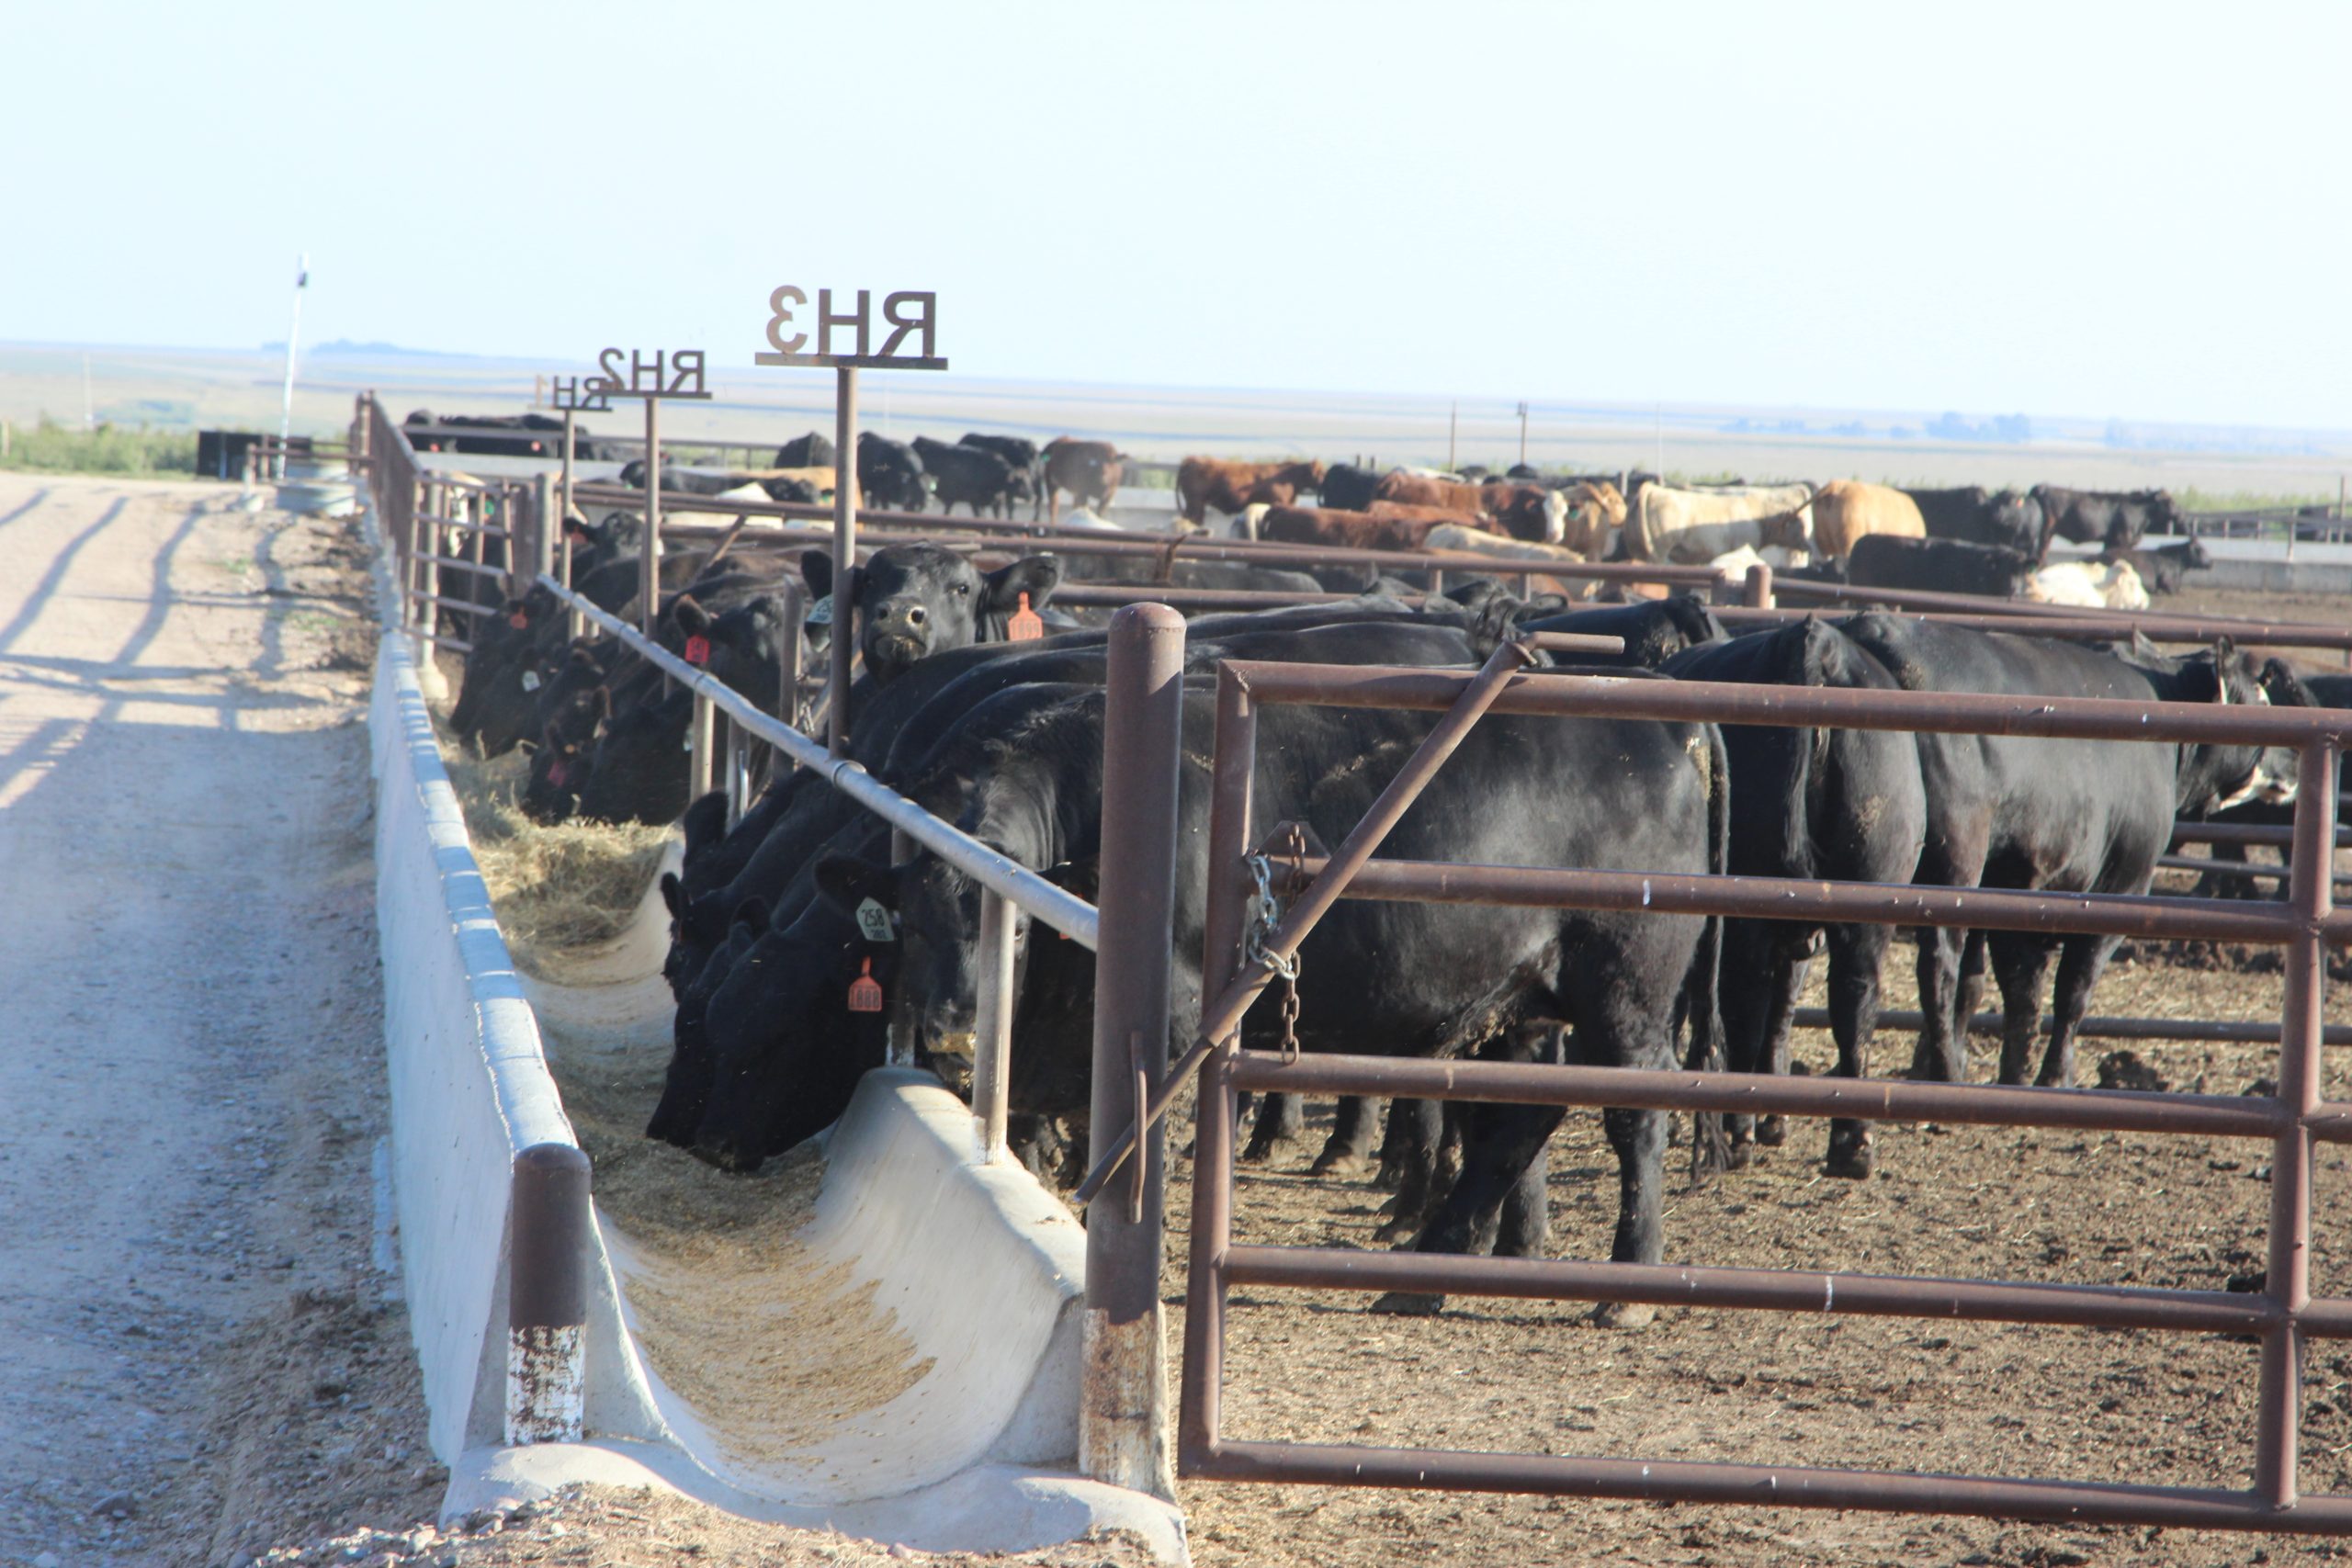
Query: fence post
[[545, 527], [992, 1024], [700, 741], [1123, 1422], [547, 1295], [1760, 586], [845, 499]]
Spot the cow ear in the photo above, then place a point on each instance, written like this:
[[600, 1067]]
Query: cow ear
[[817, 571], [847, 882], [1083, 877], [692, 618], [1037, 576], [671, 893], [751, 915]]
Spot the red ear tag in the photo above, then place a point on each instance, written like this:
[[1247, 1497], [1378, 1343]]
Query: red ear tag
[[865, 992], [518, 620], [1026, 624], [557, 772], [697, 650]]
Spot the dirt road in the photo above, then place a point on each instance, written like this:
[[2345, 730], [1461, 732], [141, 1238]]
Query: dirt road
[[199, 1360]]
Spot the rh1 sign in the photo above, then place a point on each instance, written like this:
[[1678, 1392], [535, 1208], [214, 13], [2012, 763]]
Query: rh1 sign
[[908, 313]]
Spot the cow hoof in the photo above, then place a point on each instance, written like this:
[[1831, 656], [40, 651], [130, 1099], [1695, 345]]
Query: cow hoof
[[1409, 1303], [1398, 1228], [1625, 1314], [1852, 1164], [1343, 1163], [1741, 1155], [1771, 1131], [1264, 1152]]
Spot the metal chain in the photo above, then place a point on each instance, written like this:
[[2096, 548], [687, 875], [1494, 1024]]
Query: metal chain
[[1265, 913]]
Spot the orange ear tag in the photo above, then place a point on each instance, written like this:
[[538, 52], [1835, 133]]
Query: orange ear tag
[[518, 620], [697, 650], [865, 992], [1026, 624]]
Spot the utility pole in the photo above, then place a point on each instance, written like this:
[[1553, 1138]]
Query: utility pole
[[293, 331], [1522, 436], [1453, 424], [89, 420]]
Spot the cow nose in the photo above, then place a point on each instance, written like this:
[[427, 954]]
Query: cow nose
[[915, 615]]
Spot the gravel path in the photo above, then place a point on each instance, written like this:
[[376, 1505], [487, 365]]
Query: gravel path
[[201, 1359]]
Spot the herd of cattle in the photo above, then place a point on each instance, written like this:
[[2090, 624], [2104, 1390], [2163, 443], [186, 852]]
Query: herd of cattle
[[775, 920]]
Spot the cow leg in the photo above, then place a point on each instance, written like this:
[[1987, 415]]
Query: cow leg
[[1526, 1228], [1498, 1144], [1348, 1148], [1942, 1055], [1856, 953], [2019, 963], [1747, 944], [2081, 961], [1784, 984], [1281, 1122], [1419, 1129], [1411, 1138]]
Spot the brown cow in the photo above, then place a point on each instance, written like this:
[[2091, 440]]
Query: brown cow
[[1090, 471], [1373, 530], [1204, 483], [1522, 511], [1847, 509]]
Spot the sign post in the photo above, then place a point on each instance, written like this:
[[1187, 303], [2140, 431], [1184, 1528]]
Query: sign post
[[905, 313], [677, 374]]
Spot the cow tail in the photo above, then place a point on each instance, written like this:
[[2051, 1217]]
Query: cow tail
[[1710, 1146]]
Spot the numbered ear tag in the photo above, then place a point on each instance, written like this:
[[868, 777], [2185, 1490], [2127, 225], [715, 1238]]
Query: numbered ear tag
[[820, 614], [697, 650], [876, 923], [1026, 624], [518, 620], [530, 680], [865, 992]]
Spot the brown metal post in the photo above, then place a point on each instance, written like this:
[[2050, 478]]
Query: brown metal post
[[702, 742], [565, 487], [547, 1295], [650, 588], [478, 506], [1760, 587], [1123, 1402], [845, 555], [2310, 896], [1234, 758], [546, 526]]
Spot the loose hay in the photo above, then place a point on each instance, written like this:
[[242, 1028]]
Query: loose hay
[[568, 884]]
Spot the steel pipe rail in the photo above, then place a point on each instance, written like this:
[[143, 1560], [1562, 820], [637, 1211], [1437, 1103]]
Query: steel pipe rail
[[1066, 912], [2079, 626], [2102, 1027], [1832, 593]]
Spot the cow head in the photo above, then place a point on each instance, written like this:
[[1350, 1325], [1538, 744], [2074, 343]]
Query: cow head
[[917, 600], [935, 912], [2215, 777]]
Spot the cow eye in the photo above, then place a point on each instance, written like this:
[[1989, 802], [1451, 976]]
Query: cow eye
[[963, 588]]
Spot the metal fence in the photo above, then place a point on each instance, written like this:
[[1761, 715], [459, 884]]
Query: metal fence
[[2284, 1316]]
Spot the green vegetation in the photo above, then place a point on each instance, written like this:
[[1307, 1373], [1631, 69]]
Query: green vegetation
[[2194, 500], [49, 447]]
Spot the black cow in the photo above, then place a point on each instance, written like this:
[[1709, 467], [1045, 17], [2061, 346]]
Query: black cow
[[1020, 453], [502, 435], [890, 475], [1654, 631], [2066, 816], [1406, 979], [917, 600], [1973, 514], [1348, 488], [2111, 519], [1839, 805], [966, 476], [810, 451], [1942, 565], [2285, 688], [2161, 569]]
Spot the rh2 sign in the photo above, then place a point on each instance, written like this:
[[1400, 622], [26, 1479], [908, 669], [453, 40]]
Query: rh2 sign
[[677, 374], [908, 313]]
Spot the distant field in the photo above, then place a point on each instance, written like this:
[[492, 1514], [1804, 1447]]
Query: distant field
[[47, 448], [188, 389]]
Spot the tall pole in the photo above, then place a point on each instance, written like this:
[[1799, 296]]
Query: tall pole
[[293, 331], [1453, 424], [649, 589], [1522, 436], [844, 631], [565, 520]]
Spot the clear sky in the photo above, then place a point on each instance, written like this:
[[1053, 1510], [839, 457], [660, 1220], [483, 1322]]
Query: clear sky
[[2131, 209]]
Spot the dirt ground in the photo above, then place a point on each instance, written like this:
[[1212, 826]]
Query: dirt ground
[[202, 1360]]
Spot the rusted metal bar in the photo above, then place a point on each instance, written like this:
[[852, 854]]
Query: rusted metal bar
[[1781, 897], [1942, 712], [1760, 586], [2240, 870], [844, 633], [459, 564], [2288, 1275], [1233, 766], [1776, 1486], [2100, 1027], [1754, 1289], [992, 1024], [648, 588], [1221, 1017], [2081, 625], [1761, 1094], [2243, 833], [547, 1295], [1122, 1432]]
